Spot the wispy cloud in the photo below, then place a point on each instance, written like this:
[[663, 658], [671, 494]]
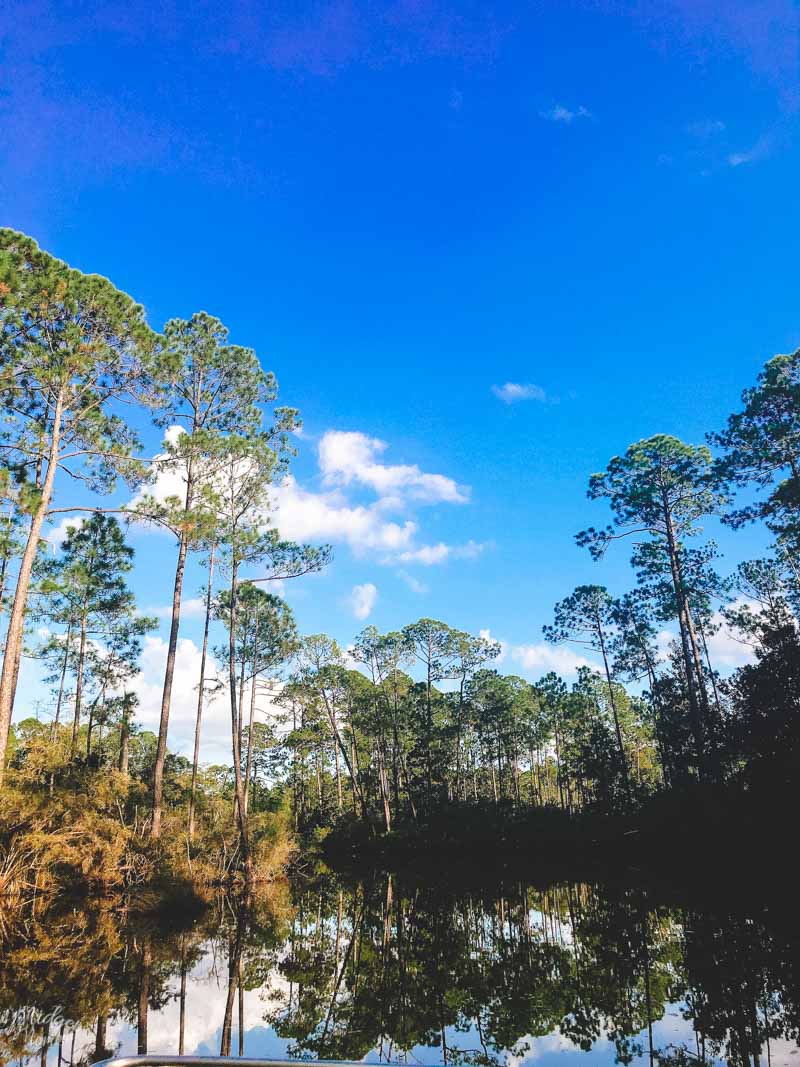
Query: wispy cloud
[[414, 584], [539, 657], [512, 392], [760, 150], [193, 608], [766, 34], [429, 555], [704, 128], [560, 113]]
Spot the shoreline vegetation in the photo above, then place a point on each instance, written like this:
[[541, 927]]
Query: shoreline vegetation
[[405, 748]]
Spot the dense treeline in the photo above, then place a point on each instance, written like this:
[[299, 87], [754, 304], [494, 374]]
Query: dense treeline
[[419, 719], [400, 725]]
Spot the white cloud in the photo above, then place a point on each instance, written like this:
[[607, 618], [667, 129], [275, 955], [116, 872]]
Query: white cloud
[[362, 600], [347, 460], [301, 515], [504, 646], [347, 457], [169, 480], [193, 608], [207, 989], [56, 537], [726, 650], [511, 392], [528, 1049], [541, 657], [428, 555], [559, 113], [148, 686], [414, 584]]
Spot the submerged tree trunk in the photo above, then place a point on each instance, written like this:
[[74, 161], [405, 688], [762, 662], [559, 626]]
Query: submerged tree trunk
[[100, 1037], [182, 1015], [144, 997], [234, 980]]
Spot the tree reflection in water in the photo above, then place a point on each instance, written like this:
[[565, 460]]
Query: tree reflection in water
[[390, 970]]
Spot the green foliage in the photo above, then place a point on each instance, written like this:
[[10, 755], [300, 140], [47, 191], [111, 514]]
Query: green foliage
[[71, 337], [761, 446]]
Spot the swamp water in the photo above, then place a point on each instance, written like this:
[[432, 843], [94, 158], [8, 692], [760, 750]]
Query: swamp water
[[508, 974]]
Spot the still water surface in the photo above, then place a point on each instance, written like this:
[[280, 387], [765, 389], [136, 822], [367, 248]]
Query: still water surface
[[507, 974]]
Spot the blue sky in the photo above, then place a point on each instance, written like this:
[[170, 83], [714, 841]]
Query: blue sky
[[403, 205]]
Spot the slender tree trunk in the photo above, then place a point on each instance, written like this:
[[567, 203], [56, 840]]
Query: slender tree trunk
[[62, 679], [338, 773], [252, 716], [717, 704], [352, 767], [89, 727], [620, 746], [242, 673], [101, 697], [201, 692], [558, 771], [169, 674], [683, 625], [76, 719], [124, 737], [3, 570], [395, 755], [16, 623], [237, 755], [458, 734], [428, 732], [383, 782]]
